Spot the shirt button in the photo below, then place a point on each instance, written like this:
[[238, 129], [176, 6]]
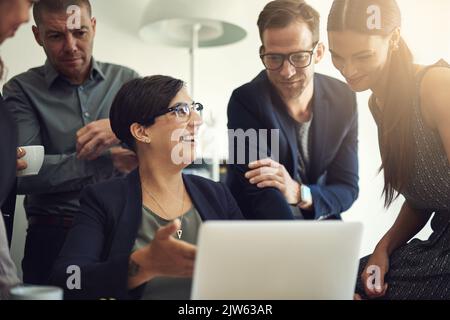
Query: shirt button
[[81, 88], [87, 114]]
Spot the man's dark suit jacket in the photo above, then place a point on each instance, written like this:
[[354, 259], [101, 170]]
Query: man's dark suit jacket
[[8, 158], [105, 230], [333, 174]]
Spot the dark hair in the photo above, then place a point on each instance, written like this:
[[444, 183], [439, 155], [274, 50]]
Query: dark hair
[[281, 13], [395, 124], [57, 6], [138, 101]]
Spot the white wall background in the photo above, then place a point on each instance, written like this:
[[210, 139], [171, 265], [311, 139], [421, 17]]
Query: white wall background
[[426, 29]]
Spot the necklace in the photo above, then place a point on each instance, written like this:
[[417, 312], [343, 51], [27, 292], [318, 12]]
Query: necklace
[[180, 231]]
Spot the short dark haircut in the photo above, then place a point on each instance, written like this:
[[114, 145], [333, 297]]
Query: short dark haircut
[[138, 101], [54, 6], [281, 13]]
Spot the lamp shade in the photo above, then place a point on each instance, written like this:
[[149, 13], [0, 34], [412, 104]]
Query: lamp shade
[[171, 22]]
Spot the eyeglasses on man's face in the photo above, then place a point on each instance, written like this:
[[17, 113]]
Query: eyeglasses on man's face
[[182, 110], [300, 59]]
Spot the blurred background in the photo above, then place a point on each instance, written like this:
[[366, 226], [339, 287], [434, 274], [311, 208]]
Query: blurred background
[[219, 70]]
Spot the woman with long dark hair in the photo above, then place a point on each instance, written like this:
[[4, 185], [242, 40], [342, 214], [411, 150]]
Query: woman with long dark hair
[[411, 106]]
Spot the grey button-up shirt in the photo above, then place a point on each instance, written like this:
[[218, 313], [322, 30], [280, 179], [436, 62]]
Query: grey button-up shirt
[[49, 111]]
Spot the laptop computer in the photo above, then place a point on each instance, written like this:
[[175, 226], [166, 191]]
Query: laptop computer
[[277, 260]]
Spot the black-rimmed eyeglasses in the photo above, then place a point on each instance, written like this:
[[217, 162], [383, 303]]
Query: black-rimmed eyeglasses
[[299, 59], [182, 110]]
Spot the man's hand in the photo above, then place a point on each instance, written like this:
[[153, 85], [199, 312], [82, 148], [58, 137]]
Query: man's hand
[[94, 139], [270, 174], [21, 164], [123, 159]]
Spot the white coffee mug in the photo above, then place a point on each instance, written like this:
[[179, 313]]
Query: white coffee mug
[[25, 292], [34, 158]]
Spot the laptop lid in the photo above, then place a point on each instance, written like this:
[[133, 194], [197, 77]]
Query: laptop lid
[[272, 260]]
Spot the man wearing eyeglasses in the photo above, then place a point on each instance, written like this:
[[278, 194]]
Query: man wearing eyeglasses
[[312, 172], [64, 106]]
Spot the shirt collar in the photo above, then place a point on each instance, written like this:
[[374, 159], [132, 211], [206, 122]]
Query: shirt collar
[[96, 71], [51, 74]]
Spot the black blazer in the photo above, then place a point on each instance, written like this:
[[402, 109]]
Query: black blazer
[[333, 174], [104, 232], [8, 158]]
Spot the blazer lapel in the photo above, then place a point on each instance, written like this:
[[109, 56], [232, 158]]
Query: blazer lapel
[[319, 130], [202, 204], [285, 124]]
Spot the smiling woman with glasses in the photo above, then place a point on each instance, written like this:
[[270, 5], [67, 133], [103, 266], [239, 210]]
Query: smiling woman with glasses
[[135, 237]]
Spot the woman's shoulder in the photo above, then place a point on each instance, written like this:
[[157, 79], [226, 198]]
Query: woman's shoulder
[[208, 187], [434, 82], [435, 74], [216, 194], [432, 73], [112, 183], [106, 191], [200, 181]]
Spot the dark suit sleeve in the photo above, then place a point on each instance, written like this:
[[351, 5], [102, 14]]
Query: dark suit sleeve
[[8, 154], [233, 211], [8, 158], [84, 247], [341, 188], [255, 203]]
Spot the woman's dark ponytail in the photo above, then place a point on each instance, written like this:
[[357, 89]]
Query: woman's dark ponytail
[[397, 143]]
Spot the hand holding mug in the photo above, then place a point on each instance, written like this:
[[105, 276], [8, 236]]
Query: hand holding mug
[[30, 160], [21, 164]]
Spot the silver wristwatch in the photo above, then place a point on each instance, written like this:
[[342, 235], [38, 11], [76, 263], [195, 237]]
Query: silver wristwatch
[[305, 194]]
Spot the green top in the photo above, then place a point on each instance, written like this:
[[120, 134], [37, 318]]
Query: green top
[[165, 288]]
